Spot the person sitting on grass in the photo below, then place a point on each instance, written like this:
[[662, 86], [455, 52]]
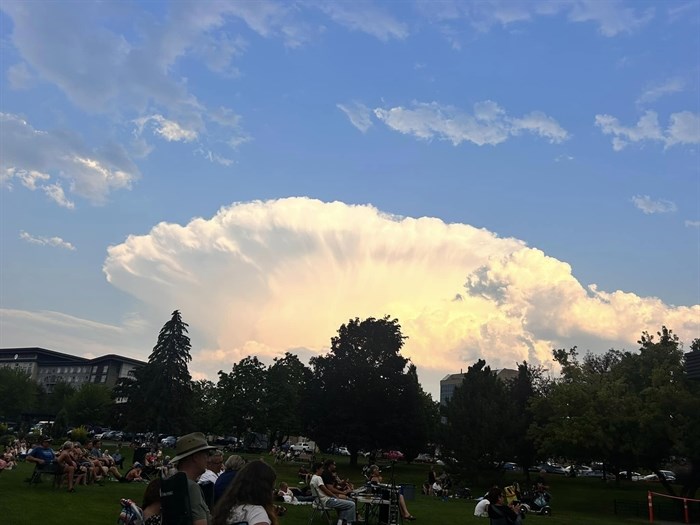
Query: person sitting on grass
[[499, 512], [104, 465], [133, 474]]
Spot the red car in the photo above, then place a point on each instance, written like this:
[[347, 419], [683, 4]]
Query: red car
[[394, 455]]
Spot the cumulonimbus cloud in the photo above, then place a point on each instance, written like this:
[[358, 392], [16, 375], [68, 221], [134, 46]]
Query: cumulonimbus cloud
[[265, 277]]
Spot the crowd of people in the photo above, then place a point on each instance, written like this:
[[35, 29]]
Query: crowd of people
[[246, 492], [76, 464]]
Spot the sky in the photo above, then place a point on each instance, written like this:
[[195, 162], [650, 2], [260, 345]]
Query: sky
[[504, 178]]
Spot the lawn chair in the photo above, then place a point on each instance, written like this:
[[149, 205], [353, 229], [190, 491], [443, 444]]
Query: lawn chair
[[52, 469], [317, 507], [175, 507]]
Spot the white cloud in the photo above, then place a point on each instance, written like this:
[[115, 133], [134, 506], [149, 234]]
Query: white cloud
[[365, 17], [683, 128], [359, 115], [126, 69], [55, 242], [654, 92], [55, 193], [611, 17], [649, 206], [35, 156], [692, 224], [167, 129], [243, 278], [489, 124], [28, 179]]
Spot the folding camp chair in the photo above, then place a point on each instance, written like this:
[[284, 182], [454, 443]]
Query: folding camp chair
[[319, 508], [52, 469], [175, 507]]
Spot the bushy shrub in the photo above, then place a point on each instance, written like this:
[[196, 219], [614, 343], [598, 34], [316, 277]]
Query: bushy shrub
[[79, 434]]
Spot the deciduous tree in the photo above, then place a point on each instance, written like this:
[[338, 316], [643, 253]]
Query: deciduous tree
[[364, 393]]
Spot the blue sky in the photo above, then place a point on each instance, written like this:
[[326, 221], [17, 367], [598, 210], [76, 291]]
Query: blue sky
[[504, 177]]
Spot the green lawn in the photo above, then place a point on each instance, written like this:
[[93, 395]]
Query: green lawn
[[574, 501]]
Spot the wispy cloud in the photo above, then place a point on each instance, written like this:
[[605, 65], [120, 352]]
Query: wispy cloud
[[692, 224], [654, 92], [365, 17], [55, 242], [683, 128], [167, 129], [36, 157], [359, 115], [611, 17], [650, 206], [488, 124], [55, 193]]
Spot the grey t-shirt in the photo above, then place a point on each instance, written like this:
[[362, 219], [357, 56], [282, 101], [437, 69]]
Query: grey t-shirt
[[200, 511]]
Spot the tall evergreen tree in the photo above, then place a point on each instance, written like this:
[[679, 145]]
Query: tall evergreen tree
[[166, 381]]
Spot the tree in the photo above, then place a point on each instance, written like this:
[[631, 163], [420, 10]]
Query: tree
[[240, 397], [90, 405], [17, 391], [364, 393], [529, 385], [159, 397], [204, 398], [169, 388], [286, 382], [477, 420], [629, 409]]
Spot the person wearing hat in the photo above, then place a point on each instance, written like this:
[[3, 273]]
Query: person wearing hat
[[192, 453], [133, 474], [42, 455]]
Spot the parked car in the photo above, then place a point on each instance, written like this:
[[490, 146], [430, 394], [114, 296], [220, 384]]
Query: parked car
[[578, 470], [634, 476], [393, 455], [667, 474], [550, 468], [342, 451], [510, 466], [424, 458], [168, 441], [301, 447]]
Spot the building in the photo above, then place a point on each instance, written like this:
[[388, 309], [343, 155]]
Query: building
[[452, 381], [48, 367]]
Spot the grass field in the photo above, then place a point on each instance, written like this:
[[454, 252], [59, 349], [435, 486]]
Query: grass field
[[578, 501]]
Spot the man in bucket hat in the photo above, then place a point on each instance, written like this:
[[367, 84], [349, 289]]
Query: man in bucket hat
[[192, 452]]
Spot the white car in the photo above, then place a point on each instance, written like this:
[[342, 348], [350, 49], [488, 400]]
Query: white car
[[635, 476], [343, 451], [301, 447], [667, 474]]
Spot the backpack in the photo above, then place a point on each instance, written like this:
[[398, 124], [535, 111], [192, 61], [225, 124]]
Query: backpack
[[130, 514]]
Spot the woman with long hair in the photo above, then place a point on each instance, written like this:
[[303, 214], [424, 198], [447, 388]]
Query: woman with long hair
[[249, 498]]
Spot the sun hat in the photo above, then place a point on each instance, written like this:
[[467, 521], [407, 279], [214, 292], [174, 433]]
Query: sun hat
[[190, 444]]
